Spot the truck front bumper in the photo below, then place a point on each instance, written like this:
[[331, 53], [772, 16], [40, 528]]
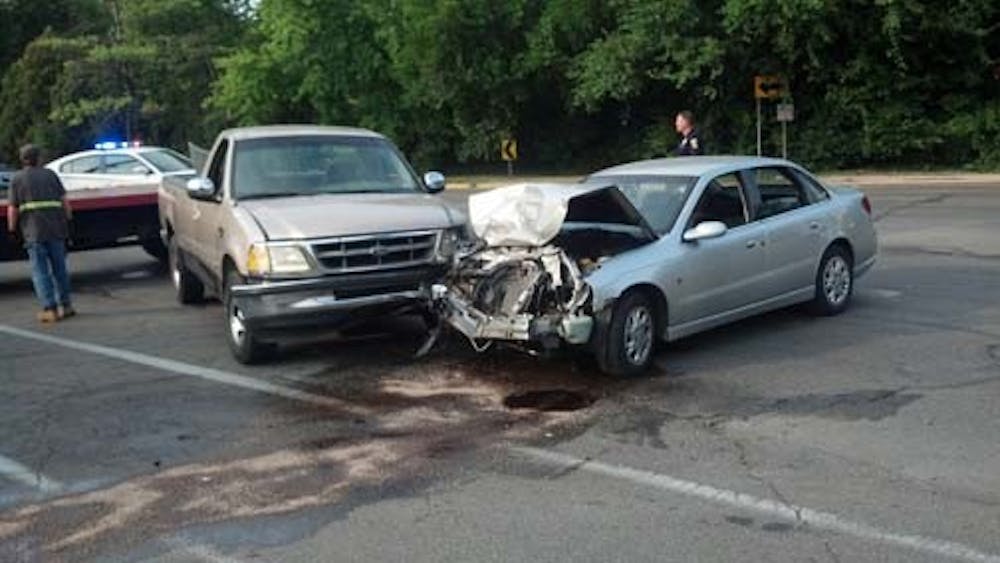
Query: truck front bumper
[[334, 301]]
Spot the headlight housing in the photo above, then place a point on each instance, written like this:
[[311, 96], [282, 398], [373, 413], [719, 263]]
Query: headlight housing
[[266, 260], [447, 243]]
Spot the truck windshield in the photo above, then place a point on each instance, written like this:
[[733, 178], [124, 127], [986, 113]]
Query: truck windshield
[[315, 165]]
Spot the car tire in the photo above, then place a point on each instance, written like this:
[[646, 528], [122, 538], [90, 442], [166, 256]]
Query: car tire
[[155, 248], [834, 282], [628, 340], [246, 347], [187, 286]]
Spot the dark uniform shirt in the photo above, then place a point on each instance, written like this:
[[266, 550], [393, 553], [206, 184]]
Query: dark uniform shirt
[[690, 145], [37, 195]]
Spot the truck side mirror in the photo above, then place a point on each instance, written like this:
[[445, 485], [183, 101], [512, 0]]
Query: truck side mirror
[[434, 182], [200, 188]]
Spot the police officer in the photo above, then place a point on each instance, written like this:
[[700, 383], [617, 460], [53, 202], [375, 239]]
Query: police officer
[[39, 212], [691, 143]]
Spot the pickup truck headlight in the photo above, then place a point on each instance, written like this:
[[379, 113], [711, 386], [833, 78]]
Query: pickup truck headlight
[[448, 243], [264, 260]]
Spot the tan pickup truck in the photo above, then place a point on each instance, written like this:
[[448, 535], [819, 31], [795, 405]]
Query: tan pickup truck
[[296, 226]]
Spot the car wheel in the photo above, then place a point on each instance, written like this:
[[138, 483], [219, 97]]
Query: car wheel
[[629, 339], [834, 282], [246, 347], [155, 248], [187, 286]]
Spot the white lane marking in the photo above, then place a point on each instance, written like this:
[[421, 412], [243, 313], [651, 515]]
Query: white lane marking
[[885, 293], [798, 514], [199, 551], [17, 471], [182, 368]]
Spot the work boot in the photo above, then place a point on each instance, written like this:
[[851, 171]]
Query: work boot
[[48, 316], [66, 311]]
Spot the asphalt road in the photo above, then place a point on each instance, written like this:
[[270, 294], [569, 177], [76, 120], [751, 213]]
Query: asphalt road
[[129, 434]]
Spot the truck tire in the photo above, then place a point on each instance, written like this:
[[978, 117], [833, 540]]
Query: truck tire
[[244, 344], [155, 248], [187, 286], [626, 344]]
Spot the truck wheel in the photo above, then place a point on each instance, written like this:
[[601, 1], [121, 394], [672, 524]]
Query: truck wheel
[[187, 286], [155, 248], [834, 282], [629, 340], [246, 347]]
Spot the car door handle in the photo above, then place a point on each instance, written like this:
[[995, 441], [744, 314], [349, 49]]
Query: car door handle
[[751, 244], [814, 226], [222, 232]]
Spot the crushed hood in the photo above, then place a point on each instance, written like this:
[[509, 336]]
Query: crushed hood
[[533, 214], [335, 215]]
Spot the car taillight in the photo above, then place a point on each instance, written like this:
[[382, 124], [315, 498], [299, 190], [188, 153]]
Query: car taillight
[[867, 205]]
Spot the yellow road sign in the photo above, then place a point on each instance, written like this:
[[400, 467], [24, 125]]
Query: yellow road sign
[[508, 150], [769, 87]]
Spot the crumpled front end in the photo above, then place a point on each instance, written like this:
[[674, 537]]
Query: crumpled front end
[[525, 282], [526, 295]]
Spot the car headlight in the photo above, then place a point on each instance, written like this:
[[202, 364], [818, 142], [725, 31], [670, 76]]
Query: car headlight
[[264, 260], [448, 243]]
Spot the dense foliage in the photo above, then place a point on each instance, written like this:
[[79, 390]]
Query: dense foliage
[[580, 83]]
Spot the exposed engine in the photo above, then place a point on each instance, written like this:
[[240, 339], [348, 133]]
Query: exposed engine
[[524, 282]]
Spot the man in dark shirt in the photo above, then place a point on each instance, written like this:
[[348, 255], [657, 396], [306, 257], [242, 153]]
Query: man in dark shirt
[[691, 144], [39, 210]]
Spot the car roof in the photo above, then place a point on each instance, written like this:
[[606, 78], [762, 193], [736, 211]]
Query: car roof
[[690, 165], [96, 152], [265, 131]]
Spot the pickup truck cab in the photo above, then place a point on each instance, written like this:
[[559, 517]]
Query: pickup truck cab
[[294, 227]]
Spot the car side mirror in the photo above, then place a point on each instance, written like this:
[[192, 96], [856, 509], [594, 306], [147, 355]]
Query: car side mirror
[[200, 188], [705, 230], [434, 181]]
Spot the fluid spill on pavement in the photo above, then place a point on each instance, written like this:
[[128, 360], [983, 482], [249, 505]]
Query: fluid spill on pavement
[[415, 413], [549, 400]]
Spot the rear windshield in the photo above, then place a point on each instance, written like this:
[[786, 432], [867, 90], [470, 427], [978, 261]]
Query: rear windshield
[[167, 161], [314, 165], [658, 198]]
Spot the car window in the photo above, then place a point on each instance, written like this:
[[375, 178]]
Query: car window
[[814, 191], [122, 164], [779, 192], [723, 200], [659, 199], [82, 165], [218, 165]]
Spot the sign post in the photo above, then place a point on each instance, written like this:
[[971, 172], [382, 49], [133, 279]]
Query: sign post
[[508, 153], [785, 114], [766, 87]]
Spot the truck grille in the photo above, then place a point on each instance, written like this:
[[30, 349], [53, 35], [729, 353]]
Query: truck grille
[[376, 252]]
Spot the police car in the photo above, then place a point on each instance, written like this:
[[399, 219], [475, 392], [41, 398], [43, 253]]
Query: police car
[[6, 175], [112, 164]]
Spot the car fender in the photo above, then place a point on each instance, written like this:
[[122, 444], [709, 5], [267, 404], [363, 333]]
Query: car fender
[[241, 231]]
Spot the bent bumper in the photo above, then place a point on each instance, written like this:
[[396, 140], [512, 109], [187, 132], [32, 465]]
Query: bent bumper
[[547, 330], [275, 306]]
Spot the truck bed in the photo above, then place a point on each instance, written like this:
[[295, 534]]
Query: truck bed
[[103, 217]]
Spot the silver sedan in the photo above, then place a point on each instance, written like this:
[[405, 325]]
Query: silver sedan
[[655, 250]]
